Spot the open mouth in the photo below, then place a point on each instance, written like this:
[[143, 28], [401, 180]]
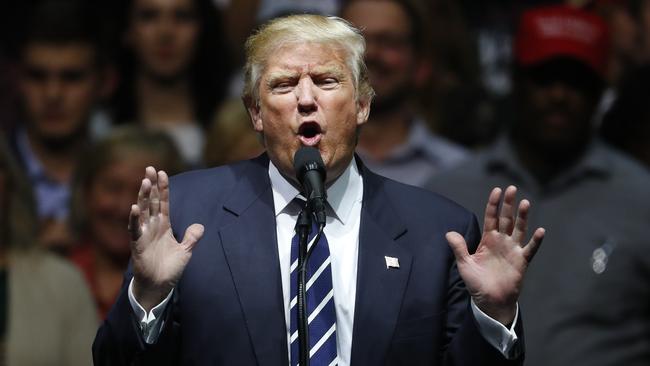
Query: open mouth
[[309, 133]]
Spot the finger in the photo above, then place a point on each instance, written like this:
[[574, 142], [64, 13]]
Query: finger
[[458, 246], [154, 197], [491, 220], [506, 217], [143, 199], [192, 236], [150, 172], [521, 224], [163, 187], [134, 223], [533, 245]]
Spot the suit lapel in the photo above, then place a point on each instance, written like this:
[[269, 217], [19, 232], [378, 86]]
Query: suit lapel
[[250, 246], [380, 289]]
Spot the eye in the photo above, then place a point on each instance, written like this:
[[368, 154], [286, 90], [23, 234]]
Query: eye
[[328, 82], [282, 86]]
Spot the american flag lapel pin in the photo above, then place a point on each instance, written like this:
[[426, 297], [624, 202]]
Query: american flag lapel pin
[[391, 262]]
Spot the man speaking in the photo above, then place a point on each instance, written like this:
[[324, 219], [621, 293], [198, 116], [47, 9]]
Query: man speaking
[[390, 281]]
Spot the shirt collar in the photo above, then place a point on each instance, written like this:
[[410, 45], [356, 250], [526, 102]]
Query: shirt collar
[[341, 195], [415, 143], [595, 160], [33, 167]]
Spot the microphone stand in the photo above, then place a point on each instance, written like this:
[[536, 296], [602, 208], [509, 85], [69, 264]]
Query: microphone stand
[[303, 228]]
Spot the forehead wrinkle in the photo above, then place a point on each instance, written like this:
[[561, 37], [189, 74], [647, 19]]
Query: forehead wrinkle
[[293, 71]]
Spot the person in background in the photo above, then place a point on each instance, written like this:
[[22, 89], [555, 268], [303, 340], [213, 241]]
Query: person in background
[[231, 138], [586, 297], [108, 178], [626, 125], [61, 72], [396, 142], [174, 69], [46, 312]]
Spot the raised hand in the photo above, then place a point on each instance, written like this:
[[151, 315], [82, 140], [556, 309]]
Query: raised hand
[[495, 272], [158, 258]]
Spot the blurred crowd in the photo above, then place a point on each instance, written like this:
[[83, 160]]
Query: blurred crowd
[[550, 96]]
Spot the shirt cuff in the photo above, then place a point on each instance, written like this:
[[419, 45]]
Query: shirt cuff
[[496, 334], [150, 324]]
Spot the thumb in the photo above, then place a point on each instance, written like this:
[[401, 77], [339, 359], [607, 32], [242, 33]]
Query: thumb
[[458, 245], [192, 236]]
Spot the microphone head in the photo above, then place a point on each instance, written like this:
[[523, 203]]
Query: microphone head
[[308, 158]]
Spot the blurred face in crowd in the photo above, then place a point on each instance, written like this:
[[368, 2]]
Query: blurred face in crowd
[[108, 200], [557, 104], [307, 98], [390, 57], [163, 35], [59, 85]]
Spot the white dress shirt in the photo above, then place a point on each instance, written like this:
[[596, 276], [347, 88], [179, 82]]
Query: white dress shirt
[[342, 231]]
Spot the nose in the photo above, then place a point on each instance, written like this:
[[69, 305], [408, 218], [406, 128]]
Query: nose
[[306, 95], [53, 88], [558, 91]]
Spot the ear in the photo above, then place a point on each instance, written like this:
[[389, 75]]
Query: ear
[[363, 110], [254, 112]]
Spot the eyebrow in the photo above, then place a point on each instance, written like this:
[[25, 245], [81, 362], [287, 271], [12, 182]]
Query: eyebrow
[[335, 70], [280, 75]]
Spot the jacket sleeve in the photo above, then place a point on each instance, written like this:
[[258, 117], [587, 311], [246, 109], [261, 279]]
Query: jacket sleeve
[[119, 340]]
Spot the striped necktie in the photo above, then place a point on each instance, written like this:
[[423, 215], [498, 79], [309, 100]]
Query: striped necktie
[[320, 303]]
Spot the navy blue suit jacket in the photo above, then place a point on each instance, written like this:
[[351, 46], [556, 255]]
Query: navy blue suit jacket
[[228, 307]]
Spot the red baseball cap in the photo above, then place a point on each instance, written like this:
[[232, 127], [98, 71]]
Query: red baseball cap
[[562, 31]]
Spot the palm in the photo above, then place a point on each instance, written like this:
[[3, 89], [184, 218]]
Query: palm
[[494, 273], [158, 258]]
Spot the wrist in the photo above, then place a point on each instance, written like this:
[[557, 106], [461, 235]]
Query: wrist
[[148, 296], [503, 313]]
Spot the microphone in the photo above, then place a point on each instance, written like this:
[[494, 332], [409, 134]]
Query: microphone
[[310, 171]]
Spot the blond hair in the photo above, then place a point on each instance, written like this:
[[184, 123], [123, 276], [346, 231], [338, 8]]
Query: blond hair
[[305, 28]]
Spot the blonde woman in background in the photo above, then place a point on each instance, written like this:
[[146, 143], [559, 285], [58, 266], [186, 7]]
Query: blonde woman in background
[[46, 312]]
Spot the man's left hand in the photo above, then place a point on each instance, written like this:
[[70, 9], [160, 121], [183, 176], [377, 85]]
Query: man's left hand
[[495, 272]]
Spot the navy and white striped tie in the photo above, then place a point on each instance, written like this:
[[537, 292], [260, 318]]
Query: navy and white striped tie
[[320, 303]]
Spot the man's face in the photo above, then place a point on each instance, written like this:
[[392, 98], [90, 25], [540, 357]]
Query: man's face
[[390, 56], [163, 35], [307, 98], [59, 86], [557, 105]]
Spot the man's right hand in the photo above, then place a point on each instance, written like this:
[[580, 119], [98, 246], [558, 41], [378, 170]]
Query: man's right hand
[[158, 259]]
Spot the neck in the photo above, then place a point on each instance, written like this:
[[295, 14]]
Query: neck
[[164, 103], [59, 163], [546, 164], [384, 132]]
